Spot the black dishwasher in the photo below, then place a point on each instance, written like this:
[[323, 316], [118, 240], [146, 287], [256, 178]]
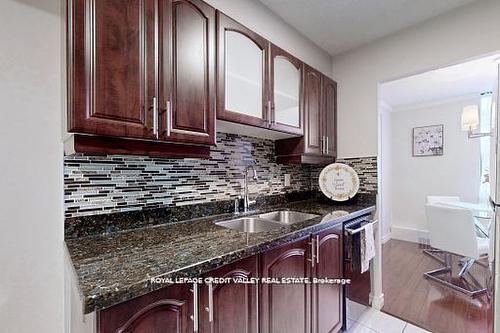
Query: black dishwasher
[[360, 287]]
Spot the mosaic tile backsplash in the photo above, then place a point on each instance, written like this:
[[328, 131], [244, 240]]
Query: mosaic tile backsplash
[[96, 184]]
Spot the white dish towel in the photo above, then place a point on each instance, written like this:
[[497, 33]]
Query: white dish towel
[[367, 247]]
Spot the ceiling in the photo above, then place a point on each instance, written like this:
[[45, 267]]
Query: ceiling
[[340, 25], [469, 78]]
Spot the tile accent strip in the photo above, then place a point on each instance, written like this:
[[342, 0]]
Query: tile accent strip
[[107, 184]]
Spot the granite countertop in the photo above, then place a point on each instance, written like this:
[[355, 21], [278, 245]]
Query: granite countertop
[[117, 267]]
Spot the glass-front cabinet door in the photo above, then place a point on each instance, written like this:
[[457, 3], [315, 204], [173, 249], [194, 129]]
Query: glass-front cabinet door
[[242, 74], [286, 92]]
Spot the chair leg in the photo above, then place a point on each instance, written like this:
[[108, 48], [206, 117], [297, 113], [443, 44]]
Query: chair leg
[[433, 254], [433, 275], [481, 263], [466, 266]]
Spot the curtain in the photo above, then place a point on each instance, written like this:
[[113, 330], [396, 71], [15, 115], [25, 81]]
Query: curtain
[[485, 114]]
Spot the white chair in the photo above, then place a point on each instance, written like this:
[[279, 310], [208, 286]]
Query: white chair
[[453, 231], [454, 201], [432, 200]]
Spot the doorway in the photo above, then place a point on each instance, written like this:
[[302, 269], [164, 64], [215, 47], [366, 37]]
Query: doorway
[[426, 152]]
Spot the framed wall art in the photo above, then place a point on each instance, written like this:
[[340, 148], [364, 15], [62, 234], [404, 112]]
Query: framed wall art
[[428, 140]]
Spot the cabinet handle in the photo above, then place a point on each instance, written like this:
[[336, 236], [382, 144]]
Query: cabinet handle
[[257, 300], [169, 117], [317, 249], [327, 144], [273, 116], [313, 256], [323, 145], [155, 117], [270, 112], [194, 317], [210, 307]]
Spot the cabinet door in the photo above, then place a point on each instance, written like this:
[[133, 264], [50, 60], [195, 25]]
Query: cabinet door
[[286, 92], [329, 114], [328, 298], [286, 307], [111, 72], [165, 311], [242, 60], [234, 306], [313, 137], [187, 71]]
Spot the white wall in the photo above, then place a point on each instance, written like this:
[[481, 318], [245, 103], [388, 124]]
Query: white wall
[[31, 219], [412, 179], [465, 33], [256, 16], [75, 321]]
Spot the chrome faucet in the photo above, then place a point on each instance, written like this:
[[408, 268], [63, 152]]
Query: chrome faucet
[[246, 201]]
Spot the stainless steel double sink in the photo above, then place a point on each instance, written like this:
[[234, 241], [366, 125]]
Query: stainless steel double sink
[[266, 221]]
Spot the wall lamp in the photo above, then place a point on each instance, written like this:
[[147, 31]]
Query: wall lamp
[[470, 122]]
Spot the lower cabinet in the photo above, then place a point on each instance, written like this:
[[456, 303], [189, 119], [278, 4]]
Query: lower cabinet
[[230, 307], [246, 308], [304, 308], [167, 310], [327, 298], [286, 307]]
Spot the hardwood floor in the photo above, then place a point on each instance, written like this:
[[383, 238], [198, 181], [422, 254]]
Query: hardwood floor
[[411, 297]]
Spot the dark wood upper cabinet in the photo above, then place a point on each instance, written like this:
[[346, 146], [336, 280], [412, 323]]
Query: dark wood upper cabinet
[[142, 69], [285, 91], [111, 57], [330, 116], [328, 298], [286, 307], [187, 71], [243, 69], [233, 307], [164, 70], [167, 310], [319, 143], [313, 139]]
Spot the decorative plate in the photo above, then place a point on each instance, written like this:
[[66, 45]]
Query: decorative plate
[[339, 182]]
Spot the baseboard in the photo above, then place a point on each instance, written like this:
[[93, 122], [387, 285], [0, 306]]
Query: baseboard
[[409, 234], [386, 238]]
